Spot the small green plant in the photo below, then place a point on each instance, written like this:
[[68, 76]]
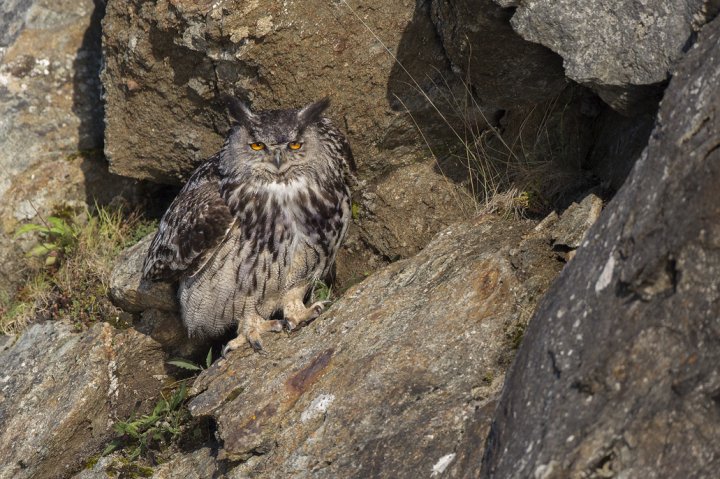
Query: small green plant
[[57, 238], [321, 291], [355, 211], [155, 430], [191, 365], [72, 282]]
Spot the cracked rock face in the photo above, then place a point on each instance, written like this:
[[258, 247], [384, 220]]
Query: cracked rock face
[[399, 377], [60, 392], [622, 50], [617, 375]]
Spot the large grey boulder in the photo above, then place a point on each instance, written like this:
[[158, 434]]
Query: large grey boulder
[[398, 378], [622, 50], [617, 375], [61, 391]]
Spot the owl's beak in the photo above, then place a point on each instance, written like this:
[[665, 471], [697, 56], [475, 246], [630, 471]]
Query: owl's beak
[[278, 158]]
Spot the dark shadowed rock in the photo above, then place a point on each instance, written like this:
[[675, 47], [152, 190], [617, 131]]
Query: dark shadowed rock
[[619, 142], [502, 69], [398, 378], [617, 375], [60, 392], [623, 50]]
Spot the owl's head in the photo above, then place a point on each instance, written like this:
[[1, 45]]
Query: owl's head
[[275, 145]]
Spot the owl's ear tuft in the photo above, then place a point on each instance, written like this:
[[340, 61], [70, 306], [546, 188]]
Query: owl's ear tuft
[[239, 110], [311, 113]]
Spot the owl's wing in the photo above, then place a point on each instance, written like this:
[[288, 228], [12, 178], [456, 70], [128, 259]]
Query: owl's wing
[[196, 222]]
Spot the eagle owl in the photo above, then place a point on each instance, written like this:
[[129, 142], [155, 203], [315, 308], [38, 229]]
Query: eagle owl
[[257, 224]]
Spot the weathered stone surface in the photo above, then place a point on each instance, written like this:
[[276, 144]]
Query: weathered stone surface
[[617, 375], [61, 390], [402, 213], [503, 69], [575, 222], [199, 464], [622, 50], [50, 110], [398, 378], [42, 114], [167, 61]]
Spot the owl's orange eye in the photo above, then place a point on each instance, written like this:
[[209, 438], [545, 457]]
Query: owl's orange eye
[[257, 146], [295, 145]]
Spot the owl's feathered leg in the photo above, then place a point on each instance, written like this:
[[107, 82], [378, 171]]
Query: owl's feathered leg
[[295, 311]]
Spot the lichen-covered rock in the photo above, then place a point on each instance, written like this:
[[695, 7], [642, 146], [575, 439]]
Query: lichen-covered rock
[[617, 375], [576, 221], [502, 68], [198, 464], [60, 392], [623, 50], [51, 127], [44, 115], [398, 378]]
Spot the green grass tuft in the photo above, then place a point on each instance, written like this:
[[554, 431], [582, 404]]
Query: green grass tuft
[[70, 268]]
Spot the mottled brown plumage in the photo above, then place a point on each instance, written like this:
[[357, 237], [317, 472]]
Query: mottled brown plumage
[[256, 224]]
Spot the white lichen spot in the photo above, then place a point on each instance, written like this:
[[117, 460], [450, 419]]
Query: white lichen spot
[[606, 275], [239, 34], [264, 26], [113, 383], [318, 406], [442, 464]]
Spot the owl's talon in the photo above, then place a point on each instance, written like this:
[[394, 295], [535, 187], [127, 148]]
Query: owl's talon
[[276, 325], [256, 345], [226, 349], [318, 307]]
